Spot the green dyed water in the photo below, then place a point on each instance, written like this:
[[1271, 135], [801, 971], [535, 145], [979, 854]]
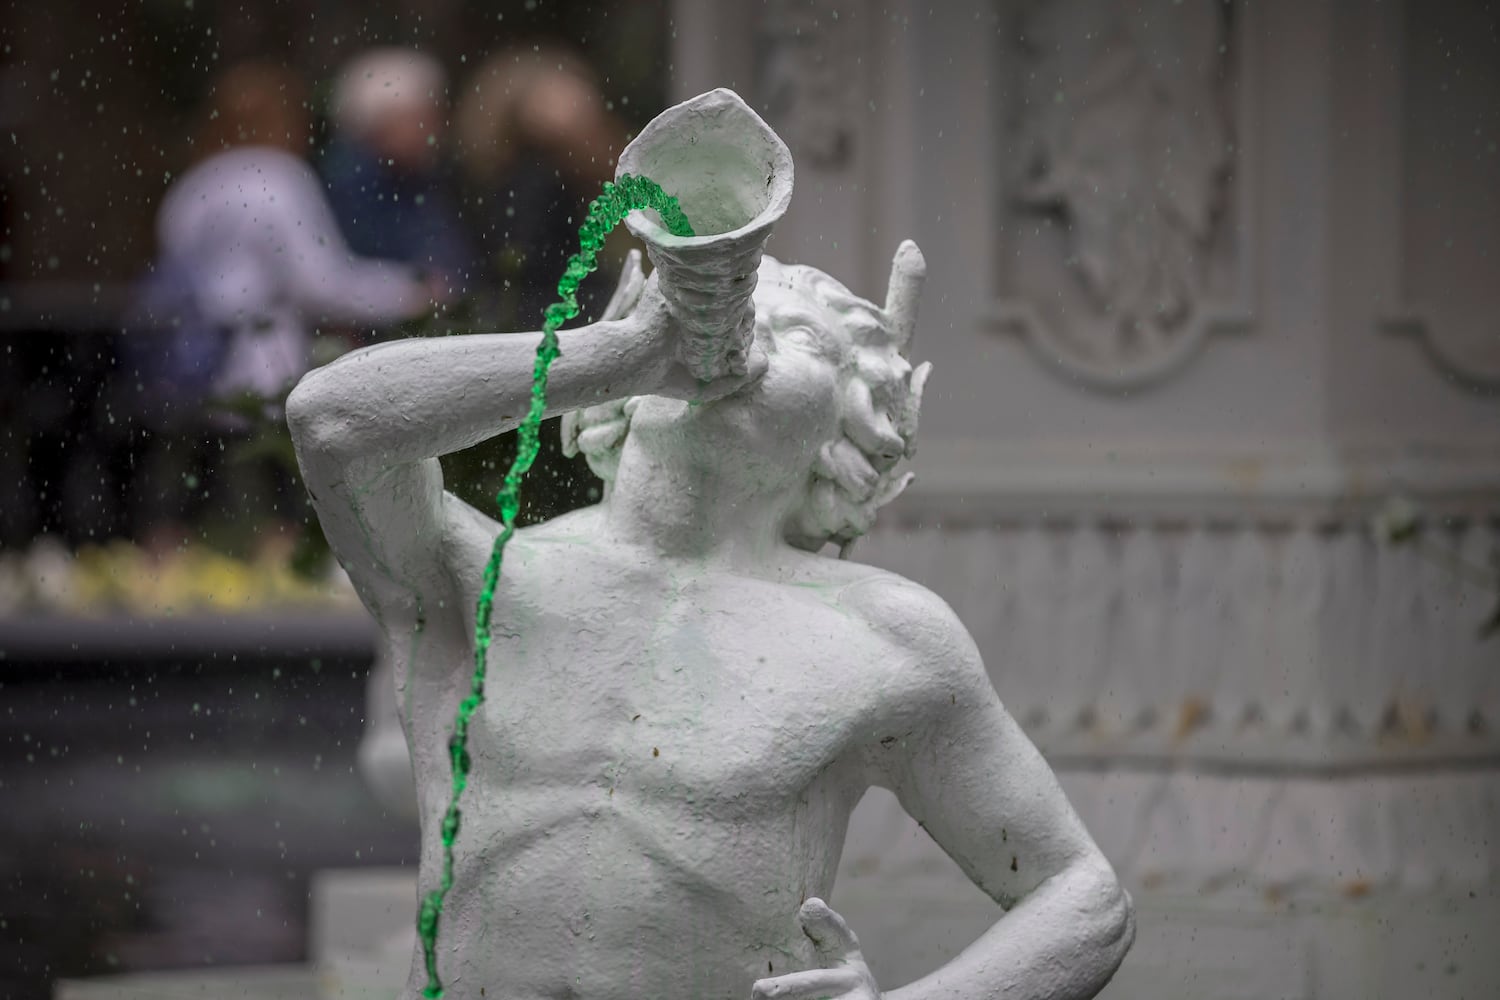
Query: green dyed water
[[625, 195]]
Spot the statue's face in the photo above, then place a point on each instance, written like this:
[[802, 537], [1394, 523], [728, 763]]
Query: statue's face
[[776, 424], [807, 356]]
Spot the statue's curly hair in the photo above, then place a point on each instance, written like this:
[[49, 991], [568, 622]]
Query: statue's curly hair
[[880, 395]]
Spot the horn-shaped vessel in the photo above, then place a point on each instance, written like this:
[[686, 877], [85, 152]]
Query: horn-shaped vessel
[[732, 176]]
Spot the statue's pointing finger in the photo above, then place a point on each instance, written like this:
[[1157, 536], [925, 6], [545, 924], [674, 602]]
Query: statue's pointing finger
[[845, 976]]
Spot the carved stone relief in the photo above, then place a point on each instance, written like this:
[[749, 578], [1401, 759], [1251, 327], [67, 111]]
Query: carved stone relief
[[803, 63], [1121, 238]]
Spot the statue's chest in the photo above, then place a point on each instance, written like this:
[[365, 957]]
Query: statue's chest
[[676, 691]]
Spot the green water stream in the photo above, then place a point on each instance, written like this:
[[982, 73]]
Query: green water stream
[[625, 195]]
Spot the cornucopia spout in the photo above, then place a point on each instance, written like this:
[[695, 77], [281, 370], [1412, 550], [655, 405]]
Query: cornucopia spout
[[732, 176]]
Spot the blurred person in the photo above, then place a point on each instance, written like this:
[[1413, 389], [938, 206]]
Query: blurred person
[[535, 142], [250, 227], [385, 172], [250, 260]]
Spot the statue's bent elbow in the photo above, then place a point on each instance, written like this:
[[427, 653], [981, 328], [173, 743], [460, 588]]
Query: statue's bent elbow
[[308, 418], [1116, 916]]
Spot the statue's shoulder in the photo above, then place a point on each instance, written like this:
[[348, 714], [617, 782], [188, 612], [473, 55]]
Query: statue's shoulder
[[929, 661], [902, 610], [469, 535]]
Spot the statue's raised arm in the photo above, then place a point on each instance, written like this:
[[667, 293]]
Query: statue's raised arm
[[369, 429]]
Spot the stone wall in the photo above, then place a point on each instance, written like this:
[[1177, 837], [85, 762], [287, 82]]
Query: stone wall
[[1210, 284]]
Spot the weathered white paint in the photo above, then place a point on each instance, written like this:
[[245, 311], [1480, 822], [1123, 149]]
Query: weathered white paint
[[683, 707]]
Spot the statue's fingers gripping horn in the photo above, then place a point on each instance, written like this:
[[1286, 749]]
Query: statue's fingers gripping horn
[[733, 177]]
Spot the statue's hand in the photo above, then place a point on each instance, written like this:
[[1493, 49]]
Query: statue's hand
[[679, 354], [844, 975]]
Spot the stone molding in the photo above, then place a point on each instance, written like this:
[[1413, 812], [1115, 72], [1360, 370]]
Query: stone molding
[[1276, 837], [976, 480], [1417, 831], [1244, 645]]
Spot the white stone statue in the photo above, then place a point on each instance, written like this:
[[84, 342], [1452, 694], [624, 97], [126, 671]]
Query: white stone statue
[[686, 696]]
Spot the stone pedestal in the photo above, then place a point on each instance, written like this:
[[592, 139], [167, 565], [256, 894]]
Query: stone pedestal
[[250, 983], [363, 931]]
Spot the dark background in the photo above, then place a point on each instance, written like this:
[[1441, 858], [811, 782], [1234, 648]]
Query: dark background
[[167, 786]]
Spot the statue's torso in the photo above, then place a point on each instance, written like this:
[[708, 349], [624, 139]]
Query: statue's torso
[[663, 770]]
